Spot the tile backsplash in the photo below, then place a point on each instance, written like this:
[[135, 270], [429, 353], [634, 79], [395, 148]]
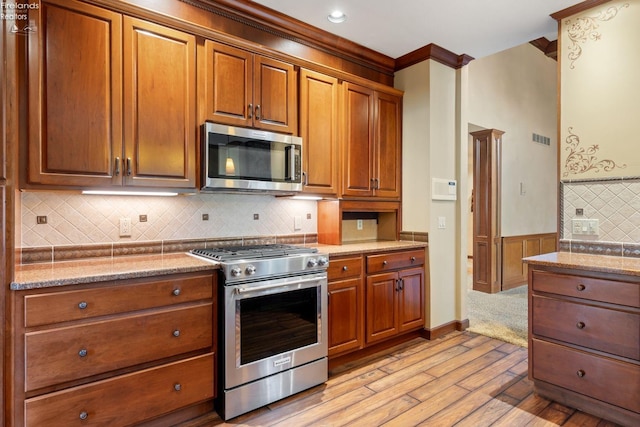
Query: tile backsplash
[[74, 219], [615, 203]]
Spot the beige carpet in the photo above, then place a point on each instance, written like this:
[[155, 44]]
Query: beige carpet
[[502, 315]]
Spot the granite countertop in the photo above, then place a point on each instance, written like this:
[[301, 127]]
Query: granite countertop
[[92, 270], [588, 262]]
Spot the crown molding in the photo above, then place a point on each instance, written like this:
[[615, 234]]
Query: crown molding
[[435, 52], [580, 7], [549, 48]]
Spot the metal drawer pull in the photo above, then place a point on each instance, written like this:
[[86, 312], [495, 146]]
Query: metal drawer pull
[[580, 325], [82, 305], [413, 259], [580, 373], [581, 287], [176, 333], [177, 387], [345, 268], [176, 292], [384, 262], [84, 415], [250, 111], [82, 352]]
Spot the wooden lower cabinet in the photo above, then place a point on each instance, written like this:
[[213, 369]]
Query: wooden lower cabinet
[[116, 353], [374, 297], [346, 305], [584, 340]]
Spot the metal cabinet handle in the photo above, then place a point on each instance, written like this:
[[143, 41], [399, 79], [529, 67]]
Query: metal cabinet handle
[[177, 387], [176, 292], [84, 415], [305, 179], [397, 285], [176, 333], [581, 287], [580, 325], [250, 111], [345, 268], [384, 263], [128, 166], [258, 112], [580, 373], [401, 284], [117, 172], [82, 305], [413, 259], [83, 352]]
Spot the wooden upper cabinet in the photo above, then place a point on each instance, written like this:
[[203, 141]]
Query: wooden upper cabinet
[[75, 95], [319, 131], [160, 104], [246, 89], [84, 131], [387, 168], [371, 143], [357, 173]]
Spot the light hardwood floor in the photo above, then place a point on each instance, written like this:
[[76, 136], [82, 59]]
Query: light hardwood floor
[[462, 379]]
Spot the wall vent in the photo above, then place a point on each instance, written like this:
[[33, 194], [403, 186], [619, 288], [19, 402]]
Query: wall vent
[[540, 139]]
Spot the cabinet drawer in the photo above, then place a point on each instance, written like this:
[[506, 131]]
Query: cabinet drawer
[[588, 374], [343, 268], [394, 261], [611, 291], [611, 331], [55, 307], [64, 354], [126, 399]]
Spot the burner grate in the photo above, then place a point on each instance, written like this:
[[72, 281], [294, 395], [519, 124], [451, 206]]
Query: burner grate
[[231, 253]]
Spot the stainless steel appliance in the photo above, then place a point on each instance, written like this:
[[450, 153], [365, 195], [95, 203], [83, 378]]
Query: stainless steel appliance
[[243, 159], [273, 323]]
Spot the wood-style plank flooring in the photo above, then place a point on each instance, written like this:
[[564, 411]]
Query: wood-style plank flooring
[[461, 379]]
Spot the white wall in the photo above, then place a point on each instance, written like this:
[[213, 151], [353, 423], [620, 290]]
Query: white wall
[[515, 91]]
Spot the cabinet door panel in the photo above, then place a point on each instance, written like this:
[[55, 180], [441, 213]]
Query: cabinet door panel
[[345, 316], [382, 309], [358, 141], [387, 169], [319, 132], [411, 301], [75, 126], [275, 95], [228, 84], [160, 127]]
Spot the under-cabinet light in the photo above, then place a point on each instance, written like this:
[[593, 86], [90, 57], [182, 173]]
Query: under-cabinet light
[[306, 197], [129, 193]]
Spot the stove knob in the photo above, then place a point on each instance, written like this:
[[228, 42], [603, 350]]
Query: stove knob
[[251, 269], [322, 261], [236, 271], [312, 262]]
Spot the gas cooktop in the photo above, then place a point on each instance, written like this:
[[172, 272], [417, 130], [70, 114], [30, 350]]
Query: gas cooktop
[[235, 253]]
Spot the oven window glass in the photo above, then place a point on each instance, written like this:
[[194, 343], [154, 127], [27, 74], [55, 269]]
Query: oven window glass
[[235, 157], [274, 324]]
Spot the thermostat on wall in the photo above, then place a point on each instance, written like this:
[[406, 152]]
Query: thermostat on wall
[[443, 189]]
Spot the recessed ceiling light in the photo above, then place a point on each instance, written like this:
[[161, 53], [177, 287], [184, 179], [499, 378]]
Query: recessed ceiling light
[[337, 17]]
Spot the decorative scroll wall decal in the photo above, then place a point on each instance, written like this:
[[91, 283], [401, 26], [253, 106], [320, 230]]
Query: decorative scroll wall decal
[[581, 160], [584, 28]]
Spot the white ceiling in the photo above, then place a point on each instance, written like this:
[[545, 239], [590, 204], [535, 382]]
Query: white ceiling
[[394, 28]]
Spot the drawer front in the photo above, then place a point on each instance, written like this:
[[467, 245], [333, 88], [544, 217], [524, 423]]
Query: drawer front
[[611, 381], [394, 260], [126, 399], [611, 291], [343, 268], [611, 331], [55, 307], [64, 354]]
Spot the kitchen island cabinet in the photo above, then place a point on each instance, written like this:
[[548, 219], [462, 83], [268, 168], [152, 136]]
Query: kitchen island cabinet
[[120, 114], [116, 353], [246, 89], [584, 333]]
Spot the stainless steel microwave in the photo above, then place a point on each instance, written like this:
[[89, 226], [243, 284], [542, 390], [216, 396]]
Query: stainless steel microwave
[[242, 159]]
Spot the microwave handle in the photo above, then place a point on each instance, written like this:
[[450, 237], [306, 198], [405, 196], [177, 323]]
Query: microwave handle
[[291, 170]]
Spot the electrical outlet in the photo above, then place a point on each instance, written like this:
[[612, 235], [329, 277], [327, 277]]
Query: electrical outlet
[[125, 227], [359, 225], [41, 219], [585, 227], [297, 222], [442, 222]]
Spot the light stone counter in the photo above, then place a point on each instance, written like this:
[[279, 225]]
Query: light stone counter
[[588, 262]]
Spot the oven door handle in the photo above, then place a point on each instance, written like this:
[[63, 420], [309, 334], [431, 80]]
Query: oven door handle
[[298, 284]]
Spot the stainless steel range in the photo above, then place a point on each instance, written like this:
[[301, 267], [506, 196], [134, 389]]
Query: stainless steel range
[[273, 325]]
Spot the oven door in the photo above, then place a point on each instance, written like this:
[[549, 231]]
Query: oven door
[[274, 325]]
